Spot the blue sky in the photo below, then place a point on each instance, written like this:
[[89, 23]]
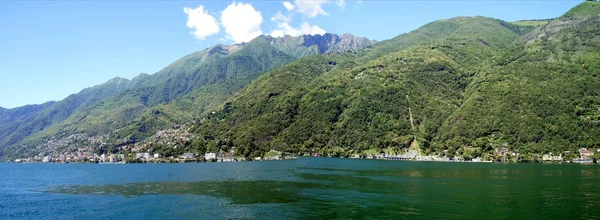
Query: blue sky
[[50, 49]]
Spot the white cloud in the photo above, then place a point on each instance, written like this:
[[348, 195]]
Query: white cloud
[[289, 6], [305, 28], [312, 30], [241, 22], [203, 23], [279, 17], [311, 8]]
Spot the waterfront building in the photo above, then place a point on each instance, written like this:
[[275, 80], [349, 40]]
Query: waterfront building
[[210, 156]]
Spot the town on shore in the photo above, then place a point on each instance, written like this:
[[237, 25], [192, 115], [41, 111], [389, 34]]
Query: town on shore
[[502, 155], [84, 157], [175, 145]]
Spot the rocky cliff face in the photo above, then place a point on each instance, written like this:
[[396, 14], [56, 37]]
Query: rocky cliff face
[[307, 45]]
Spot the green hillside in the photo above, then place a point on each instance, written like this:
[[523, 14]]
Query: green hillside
[[173, 96], [468, 81], [26, 122], [545, 100], [587, 8], [353, 106], [533, 23]]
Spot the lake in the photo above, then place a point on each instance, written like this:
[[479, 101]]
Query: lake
[[306, 188]]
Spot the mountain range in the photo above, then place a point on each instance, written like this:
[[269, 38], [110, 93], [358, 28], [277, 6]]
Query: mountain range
[[473, 83], [174, 95]]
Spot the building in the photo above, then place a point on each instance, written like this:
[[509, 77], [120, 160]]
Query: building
[[47, 159], [156, 156], [112, 159], [578, 160], [188, 156], [550, 157], [502, 152], [584, 153], [142, 156], [210, 156]]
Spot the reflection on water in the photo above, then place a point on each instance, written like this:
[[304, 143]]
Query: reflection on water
[[334, 188], [238, 192]]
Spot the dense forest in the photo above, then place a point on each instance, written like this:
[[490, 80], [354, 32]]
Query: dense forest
[[468, 81]]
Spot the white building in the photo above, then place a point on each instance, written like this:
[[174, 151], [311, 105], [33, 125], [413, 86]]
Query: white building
[[156, 155], [47, 159], [143, 155], [210, 156], [188, 156], [550, 157]]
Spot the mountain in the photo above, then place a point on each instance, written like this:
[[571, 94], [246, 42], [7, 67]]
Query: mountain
[[28, 120], [9, 115], [307, 45], [129, 110], [585, 9], [336, 104], [465, 86]]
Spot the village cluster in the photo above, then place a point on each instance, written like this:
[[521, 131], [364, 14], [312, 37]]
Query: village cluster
[[147, 158]]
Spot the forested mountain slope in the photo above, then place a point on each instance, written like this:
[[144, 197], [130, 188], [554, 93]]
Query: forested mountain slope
[[468, 81], [333, 102], [129, 111], [473, 83]]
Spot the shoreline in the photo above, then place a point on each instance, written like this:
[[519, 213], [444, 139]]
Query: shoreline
[[231, 161]]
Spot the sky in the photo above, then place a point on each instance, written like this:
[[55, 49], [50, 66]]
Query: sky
[[51, 49]]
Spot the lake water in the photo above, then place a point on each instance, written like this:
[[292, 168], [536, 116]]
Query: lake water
[[306, 188]]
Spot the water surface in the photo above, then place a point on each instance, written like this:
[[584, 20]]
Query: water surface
[[306, 188]]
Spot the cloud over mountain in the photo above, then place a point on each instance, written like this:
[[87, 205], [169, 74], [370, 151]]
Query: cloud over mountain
[[202, 23], [241, 22]]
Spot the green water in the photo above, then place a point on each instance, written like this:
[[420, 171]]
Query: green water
[[308, 188]]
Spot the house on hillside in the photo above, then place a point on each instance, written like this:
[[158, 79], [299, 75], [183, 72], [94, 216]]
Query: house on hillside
[[550, 157], [584, 153], [502, 151]]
